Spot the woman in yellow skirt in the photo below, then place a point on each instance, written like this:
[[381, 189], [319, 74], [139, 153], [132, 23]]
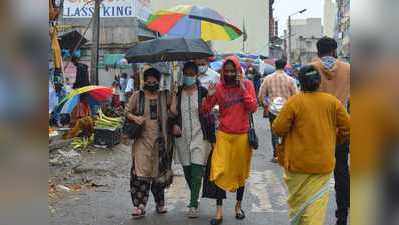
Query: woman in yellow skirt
[[231, 156], [309, 123]]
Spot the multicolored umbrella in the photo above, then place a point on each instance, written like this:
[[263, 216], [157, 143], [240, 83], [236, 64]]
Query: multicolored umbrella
[[96, 95], [193, 22]]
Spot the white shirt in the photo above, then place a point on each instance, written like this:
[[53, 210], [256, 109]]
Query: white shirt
[[210, 76], [123, 84], [130, 85]]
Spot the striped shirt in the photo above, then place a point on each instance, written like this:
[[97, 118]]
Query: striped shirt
[[276, 85]]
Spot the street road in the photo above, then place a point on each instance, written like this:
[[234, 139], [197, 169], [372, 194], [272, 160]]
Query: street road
[[264, 198]]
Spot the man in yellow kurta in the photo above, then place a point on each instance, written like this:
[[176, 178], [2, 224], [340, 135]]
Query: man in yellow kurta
[[309, 123]]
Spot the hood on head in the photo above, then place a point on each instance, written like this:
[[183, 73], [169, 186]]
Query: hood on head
[[237, 65], [327, 65]]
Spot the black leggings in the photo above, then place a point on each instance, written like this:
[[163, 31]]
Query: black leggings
[[240, 196], [274, 136], [140, 189]]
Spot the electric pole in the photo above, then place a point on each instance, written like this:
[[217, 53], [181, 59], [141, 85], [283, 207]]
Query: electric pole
[[289, 40], [290, 33], [95, 43], [244, 35]]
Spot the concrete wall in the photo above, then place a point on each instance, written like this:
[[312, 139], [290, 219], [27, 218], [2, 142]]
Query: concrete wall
[[307, 50], [255, 12], [121, 31]]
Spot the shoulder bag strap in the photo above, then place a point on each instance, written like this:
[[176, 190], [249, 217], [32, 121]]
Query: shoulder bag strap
[[141, 103], [178, 106], [251, 121], [204, 123], [160, 110]]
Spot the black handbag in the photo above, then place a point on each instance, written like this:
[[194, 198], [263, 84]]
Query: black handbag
[[253, 139], [130, 128]]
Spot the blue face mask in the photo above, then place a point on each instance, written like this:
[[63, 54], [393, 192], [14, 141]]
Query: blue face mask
[[188, 81]]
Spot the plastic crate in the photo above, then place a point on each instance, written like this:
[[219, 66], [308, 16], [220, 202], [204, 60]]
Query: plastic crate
[[107, 137]]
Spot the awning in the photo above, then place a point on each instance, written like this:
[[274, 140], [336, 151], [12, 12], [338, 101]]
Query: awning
[[112, 59], [72, 40]]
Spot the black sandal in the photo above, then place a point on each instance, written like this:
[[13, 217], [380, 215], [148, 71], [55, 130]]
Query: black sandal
[[240, 215], [215, 221]]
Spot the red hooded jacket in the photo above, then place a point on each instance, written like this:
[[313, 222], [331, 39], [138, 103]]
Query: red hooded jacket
[[234, 103]]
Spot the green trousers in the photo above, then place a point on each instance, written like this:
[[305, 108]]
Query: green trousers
[[193, 175]]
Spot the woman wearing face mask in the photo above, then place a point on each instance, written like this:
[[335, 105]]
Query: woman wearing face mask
[[150, 157], [232, 153], [193, 133]]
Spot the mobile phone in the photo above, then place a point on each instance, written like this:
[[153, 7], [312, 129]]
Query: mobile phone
[[238, 79]]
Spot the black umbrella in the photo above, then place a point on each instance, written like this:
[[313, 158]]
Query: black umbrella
[[168, 49], [72, 40]]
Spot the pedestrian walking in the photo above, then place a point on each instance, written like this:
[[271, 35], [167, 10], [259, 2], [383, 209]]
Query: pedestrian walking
[[151, 156], [206, 76], [254, 76], [335, 79], [306, 153], [129, 87], [231, 158], [193, 131], [275, 90], [123, 86], [82, 73]]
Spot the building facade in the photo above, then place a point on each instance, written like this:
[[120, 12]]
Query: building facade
[[307, 50], [343, 29], [272, 20], [276, 48], [121, 26], [329, 18], [304, 35], [275, 43], [255, 13], [121, 23]]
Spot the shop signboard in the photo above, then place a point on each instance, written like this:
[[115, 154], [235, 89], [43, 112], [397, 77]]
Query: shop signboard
[[108, 8]]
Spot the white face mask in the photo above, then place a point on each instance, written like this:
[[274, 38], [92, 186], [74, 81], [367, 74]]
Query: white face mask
[[202, 69]]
